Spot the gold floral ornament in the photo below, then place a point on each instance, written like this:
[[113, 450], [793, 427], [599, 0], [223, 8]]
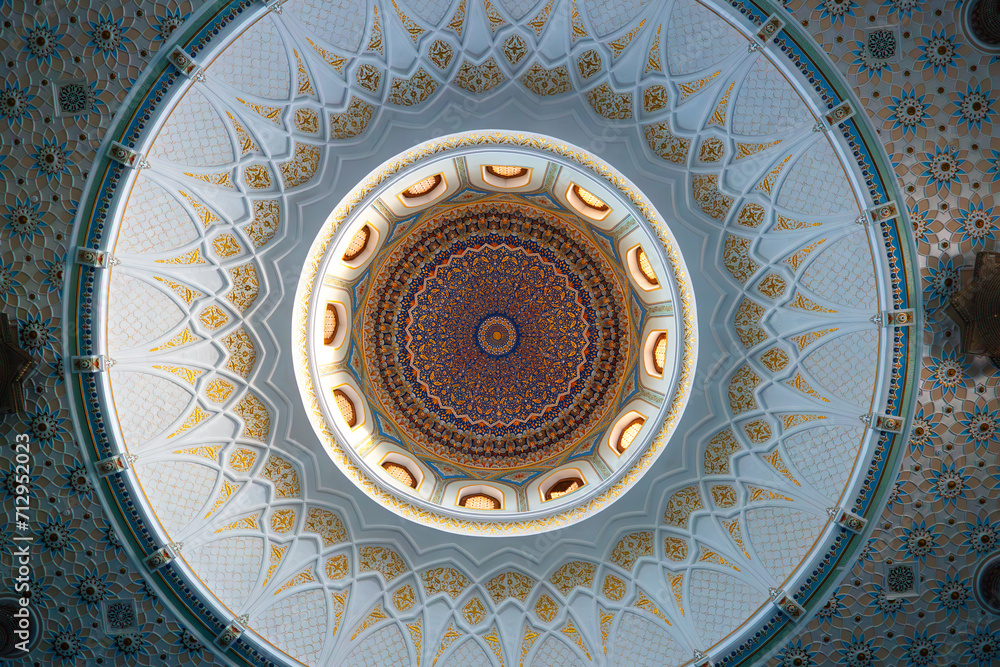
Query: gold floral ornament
[[188, 375], [375, 41], [680, 506], [619, 45], [644, 603], [546, 608], [751, 215], [675, 549], [718, 116], [282, 474], [741, 390], [773, 286], [192, 257], [737, 260], [196, 417], [225, 493], [246, 285], [711, 150], [457, 22], [382, 560], [474, 611], [479, 78], [257, 177], [304, 84], [758, 431], [302, 167], [369, 77], [211, 453], [415, 90], [404, 597], [689, 88], [613, 588], [654, 98], [705, 189], [805, 340], [722, 445], [494, 17], [747, 323], [514, 48], [327, 525], [766, 184], [444, 580], [266, 216], [242, 459], [219, 390], [304, 577], [570, 631], [352, 121], [306, 120], [440, 53], [509, 584], [246, 142], [187, 294], [709, 556], [653, 57], [542, 81], [774, 458], [631, 548], [338, 567], [611, 105], [283, 520], [242, 353], [377, 615], [723, 495], [589, 63], [226, 246], [572, 574], [666, 144]]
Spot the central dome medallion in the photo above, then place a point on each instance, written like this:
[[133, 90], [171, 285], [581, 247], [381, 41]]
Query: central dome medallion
[[497, 334]]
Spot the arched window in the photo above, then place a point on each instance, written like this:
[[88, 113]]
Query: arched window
[[400, 472], [590, 199], [358, 243], [330, 323], [629, 434], [503, 171], [645, 267], [479, 501], [346, 407], [563, 487], [660, 352], [420, 188]]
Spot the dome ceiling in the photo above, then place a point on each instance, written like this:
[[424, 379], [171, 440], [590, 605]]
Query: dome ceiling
[[496, 323], [767, 478]]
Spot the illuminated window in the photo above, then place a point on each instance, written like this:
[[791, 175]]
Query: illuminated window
[[421, 188], [563, 487], [629, 433], [660, 352], [358, 243], [330, 324], [479, 501], [501, 171], [589, 199], [645, 267], [401, 473], [346, 407]]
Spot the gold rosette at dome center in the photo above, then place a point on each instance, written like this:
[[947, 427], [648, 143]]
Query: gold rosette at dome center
[[496, 335]]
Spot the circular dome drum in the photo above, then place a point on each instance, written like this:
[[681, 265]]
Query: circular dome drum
[[490, 336]]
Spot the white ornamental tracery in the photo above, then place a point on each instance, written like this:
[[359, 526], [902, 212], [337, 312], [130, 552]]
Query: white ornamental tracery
[[202, 244]]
